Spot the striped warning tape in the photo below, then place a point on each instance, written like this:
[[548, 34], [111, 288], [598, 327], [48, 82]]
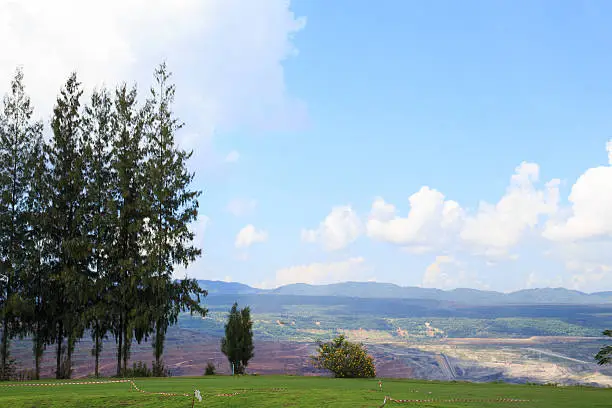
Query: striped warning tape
[[233, 394], [131, 382], [453, 400], [167, 394], [55, 384]]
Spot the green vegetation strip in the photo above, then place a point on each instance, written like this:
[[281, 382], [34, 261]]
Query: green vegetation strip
[[131, 382], [290, 391]]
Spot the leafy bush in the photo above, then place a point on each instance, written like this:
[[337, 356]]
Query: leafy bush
[[605, 354], [25, 375], [345, 359], [160, 370], [8, 371], [138, 369], [210, 369]]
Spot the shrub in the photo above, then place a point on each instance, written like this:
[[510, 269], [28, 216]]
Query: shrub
[[9, 370], [138, 369], [160, 370], [25, 375], [210, 369], [344, 359]]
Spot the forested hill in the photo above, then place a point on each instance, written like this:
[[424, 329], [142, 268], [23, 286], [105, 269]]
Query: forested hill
[[392, 291]]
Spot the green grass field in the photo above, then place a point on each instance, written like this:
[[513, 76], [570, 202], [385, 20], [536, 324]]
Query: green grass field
[[279, 391]]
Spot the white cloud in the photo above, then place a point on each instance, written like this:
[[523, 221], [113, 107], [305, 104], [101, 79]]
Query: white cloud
[[240, 206], [321, 273], [591, 207], [436, 276], [447, 272], [249, 236], [232, 157], [429, 219], [226, 54], [340, 228], [589, 277], [536, 280], [435, 222], [499, 227]]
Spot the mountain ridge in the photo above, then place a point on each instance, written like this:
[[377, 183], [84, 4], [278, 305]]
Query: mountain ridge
[[392, 291]]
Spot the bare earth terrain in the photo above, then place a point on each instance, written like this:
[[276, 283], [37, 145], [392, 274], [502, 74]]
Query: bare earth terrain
[[512, 360]]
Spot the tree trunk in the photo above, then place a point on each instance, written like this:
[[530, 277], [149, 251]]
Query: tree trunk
[[159, 341], [4, 350], [119, 346], [126, 346], [70, 341], [38, 351], [58, 352], [97, 353]]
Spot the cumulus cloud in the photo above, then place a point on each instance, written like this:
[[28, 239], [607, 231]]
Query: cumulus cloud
[[430, 216], [249, 236], [447, 272], [435, 222], [321, 273], [340, 228], [496, 228], [227, 54], [436, 276], [241, 206], [591, 206]]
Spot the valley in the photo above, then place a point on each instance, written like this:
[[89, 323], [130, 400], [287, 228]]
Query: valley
[[408, 337]]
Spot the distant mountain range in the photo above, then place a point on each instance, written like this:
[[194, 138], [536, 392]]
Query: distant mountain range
[[376, 290]]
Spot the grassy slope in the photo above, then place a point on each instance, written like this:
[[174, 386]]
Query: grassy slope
[[277, 391]]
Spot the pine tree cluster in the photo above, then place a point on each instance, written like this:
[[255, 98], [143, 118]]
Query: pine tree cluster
[[94, 219]]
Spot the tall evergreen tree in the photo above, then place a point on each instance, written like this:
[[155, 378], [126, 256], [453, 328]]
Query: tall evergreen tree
[[67, 228], [19, 136], [130, 208], [237, 344], [98, 154], [37, 291], [172, 206]]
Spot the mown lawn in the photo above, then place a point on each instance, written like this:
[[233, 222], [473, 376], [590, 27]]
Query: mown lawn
[[282, 391]]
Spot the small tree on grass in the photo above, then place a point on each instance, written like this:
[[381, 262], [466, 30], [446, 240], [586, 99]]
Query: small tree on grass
[[345, 359], [605, 354], [210, 369], [237, 344]]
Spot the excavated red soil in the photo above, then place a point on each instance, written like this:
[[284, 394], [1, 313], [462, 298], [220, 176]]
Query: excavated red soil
[[187, 353]]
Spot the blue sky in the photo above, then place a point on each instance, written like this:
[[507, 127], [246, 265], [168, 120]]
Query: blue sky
[[313, 123]]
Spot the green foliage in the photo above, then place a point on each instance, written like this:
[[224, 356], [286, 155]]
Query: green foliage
[[237, 344], [605, 354], [345, 359], [98, 133], [20, 138], [66, 225], [210, 369], [93, 223], [171, 207], [307, 392], [139, 369], [159, 369]]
